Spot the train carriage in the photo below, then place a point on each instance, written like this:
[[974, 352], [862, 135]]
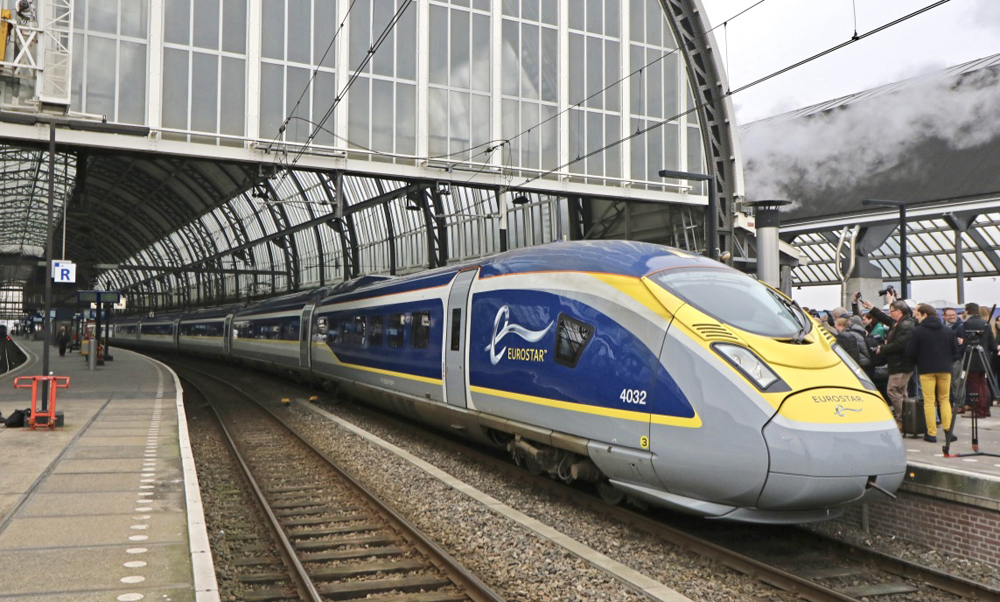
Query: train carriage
[[659, 375]]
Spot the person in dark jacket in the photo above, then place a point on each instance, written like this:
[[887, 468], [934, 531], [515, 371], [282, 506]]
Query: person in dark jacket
[[934, 348], [893, 350], [852, 338], [976, 382]]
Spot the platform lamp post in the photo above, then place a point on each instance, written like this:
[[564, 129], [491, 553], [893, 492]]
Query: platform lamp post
[[711, 213], [904, 278]]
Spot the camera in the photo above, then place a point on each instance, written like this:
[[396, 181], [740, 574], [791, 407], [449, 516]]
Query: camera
[[887, 290], [857, 296], [973, 336]]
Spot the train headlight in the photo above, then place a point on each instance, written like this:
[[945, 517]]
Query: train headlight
[[855, 368], [748, 363]]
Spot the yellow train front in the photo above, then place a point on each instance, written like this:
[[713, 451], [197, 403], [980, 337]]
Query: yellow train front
[[789, 427]]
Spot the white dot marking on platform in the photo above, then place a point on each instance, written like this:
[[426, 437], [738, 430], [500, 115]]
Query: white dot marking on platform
[[147, 487], [141, 517], [138, 537], [147, 480], [145, 493], [139, 527], [129, 597], [135, 564], [135, 579], [969, 460], [136, 550], [143, 508]]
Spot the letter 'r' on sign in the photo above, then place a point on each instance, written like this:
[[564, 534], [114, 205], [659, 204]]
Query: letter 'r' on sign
[[64, 271]]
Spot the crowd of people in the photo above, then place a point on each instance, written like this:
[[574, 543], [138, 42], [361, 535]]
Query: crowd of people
[[910, 339]]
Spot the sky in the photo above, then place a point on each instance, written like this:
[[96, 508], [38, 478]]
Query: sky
[[778, 33]]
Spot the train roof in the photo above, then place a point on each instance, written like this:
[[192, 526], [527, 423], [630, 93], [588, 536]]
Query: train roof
[[620, 257]]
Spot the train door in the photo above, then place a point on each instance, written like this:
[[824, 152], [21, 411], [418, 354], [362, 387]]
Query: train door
[[454, 355], [305, 336], [177, 334], [227, 335]]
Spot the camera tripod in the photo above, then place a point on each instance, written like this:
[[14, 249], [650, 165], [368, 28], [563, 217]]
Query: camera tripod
[[972, 351]]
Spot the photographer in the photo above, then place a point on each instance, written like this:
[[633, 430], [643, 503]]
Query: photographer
[[978, 332], [893, 350], [934, 348]]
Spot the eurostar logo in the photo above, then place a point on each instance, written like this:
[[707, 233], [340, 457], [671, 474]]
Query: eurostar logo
[[839, 410], [503, 315]]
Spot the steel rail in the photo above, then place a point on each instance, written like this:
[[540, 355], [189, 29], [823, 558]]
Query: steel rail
[[469, 583], [298, 572]]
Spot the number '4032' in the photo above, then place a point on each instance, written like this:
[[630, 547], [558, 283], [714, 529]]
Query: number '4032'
[[633, 396]]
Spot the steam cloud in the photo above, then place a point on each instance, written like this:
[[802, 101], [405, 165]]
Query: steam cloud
[[842, 147]]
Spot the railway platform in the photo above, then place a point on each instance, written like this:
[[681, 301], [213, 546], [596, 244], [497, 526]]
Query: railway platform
[[106, 507]]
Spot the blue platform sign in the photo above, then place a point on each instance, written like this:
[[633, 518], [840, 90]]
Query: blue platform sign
[[63, 271]]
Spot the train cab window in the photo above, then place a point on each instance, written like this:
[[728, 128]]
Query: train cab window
[[394, 330], [572, 337], [333, 332], [456, 329], [375, 331], [421, 329]]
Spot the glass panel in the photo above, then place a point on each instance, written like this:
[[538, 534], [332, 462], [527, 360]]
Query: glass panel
[[103, 17], [612, 73], [637, 26], [612, 156], [406, 45], [460, 34], [612, 11], [576, 74], [206, 25], [511, 63], [595, 140], [481, 53], [439, 45], [272, 110], [459, 122], [654, 22], [101, 77], [360, 32], [529, 61], [480, 124], [299, 29], [549, 135], [576, 17], [595, 16], [175, 89], [529, 11], [233, 96], [595, 66], [437, 122], [550, 65], [654, 87], [512, 8], [637, 59], [406, 119], [132, 84], [297, 83], [176, 21], [383, 61], [77, 82], [382, 116], [550, 12], [134, 17], [273, 36], [324, 93], [670, 98], [234, 26]]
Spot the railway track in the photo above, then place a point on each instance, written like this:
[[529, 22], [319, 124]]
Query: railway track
[[335, 539]]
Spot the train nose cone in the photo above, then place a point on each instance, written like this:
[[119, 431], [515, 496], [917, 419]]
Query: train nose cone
[[824, 447]]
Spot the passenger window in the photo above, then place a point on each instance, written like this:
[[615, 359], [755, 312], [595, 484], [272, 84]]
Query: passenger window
[[394, 330], [456, 329], [572, 337], [375, 332], [421, 329]]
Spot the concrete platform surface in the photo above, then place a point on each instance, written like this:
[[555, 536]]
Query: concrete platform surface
[[106, 507]]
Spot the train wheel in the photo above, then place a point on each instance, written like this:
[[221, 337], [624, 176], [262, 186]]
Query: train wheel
[[609, 494]]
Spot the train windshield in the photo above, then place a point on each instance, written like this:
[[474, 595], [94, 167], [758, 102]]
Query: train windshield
[[737, 300]]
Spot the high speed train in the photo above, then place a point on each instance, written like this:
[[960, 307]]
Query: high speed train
[[656, 374]]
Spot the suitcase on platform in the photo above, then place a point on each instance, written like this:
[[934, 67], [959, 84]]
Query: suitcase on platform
[[914, 423]]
